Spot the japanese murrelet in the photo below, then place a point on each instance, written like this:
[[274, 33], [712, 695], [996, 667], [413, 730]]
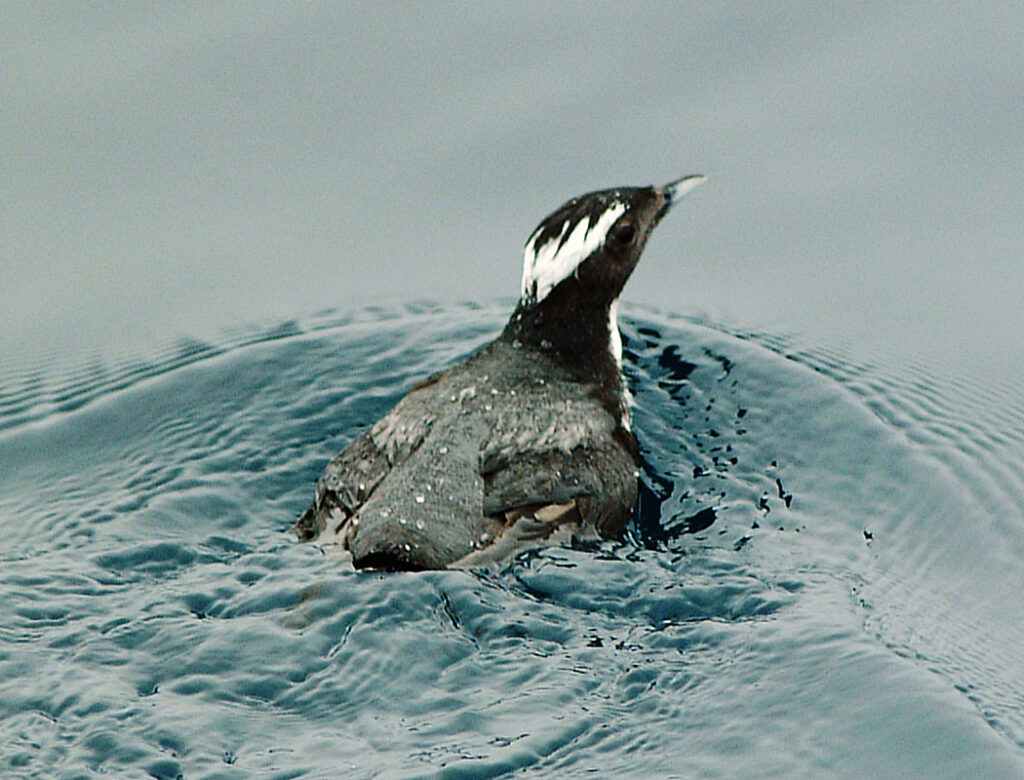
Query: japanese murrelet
[[526, 441]]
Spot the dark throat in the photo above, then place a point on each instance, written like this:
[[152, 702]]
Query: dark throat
[[571, 326]]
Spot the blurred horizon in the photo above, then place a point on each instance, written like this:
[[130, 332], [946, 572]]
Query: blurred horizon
[[178, 172]]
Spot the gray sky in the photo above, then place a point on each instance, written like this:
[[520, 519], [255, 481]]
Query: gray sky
[[176, 170]]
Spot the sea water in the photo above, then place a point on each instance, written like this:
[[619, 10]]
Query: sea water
[[823, 577]]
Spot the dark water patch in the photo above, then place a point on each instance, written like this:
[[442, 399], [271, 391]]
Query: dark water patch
[[149, 558], [157, 619], [689, 588]]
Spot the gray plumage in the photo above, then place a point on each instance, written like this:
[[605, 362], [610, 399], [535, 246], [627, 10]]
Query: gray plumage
[[526, 440], [440, 476]]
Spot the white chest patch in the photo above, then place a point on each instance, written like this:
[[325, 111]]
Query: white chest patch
[[558, 258], [614, 336], [615, 346]]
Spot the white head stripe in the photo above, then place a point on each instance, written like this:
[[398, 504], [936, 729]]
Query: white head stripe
[[558, 258]]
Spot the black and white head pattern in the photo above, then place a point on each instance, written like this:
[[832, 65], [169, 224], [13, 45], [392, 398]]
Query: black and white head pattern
[[579, 229], [564, 240]]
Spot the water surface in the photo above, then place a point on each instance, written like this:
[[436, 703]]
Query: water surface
[[822, 578]]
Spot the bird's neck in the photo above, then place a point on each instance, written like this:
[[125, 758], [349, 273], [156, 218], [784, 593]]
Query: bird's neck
[[573, 329]]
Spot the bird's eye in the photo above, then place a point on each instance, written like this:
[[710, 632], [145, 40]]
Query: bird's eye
[[623, 234]]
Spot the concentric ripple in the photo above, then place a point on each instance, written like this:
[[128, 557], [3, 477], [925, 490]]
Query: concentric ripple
[[822, 578]]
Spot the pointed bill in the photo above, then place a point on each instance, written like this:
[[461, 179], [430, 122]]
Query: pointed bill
[[676, 190]]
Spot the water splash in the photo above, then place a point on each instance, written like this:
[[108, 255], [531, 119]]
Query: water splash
[[157, 618]]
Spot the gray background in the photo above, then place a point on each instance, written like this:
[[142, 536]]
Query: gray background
[[176, 170]]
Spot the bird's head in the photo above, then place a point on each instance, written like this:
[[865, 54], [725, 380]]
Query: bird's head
[[596, 240], [576, 263]]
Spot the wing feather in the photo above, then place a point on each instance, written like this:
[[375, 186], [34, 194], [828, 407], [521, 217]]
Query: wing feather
[[352, 475], [532, 483]]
